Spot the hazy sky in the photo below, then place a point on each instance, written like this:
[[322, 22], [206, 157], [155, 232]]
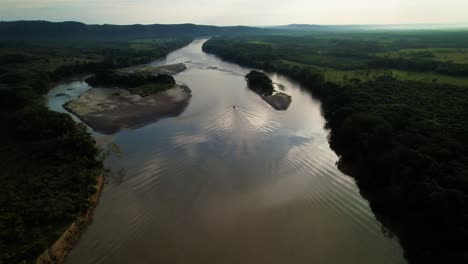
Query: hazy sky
[[238, 12]]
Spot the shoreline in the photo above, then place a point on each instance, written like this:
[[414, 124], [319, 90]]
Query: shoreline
[[108, 113], [59, 250], [279, 101]]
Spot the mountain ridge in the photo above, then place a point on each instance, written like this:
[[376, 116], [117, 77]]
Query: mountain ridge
[[39, 29]]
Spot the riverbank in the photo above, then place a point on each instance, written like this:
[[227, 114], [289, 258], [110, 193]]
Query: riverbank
[[279, 101], [57, 253]]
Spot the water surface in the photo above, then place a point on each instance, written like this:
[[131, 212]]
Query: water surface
[[228, 185]]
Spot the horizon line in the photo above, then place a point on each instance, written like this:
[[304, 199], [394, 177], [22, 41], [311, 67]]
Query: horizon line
[[244, 25]]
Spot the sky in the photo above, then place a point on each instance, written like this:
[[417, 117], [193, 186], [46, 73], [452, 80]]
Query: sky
[[239, 12]]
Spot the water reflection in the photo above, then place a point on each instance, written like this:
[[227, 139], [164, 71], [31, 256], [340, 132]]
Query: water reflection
[[231, 185]]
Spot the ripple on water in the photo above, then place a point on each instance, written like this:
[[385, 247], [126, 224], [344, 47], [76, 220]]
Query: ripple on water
[[232, 185]]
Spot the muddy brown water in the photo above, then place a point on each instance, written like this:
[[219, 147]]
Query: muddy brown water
[[219, 184]]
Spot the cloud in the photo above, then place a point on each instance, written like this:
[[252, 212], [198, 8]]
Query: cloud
[[41, 4], [235, 12]]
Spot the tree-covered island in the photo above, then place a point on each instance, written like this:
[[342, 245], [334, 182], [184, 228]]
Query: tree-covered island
[[260, 83]]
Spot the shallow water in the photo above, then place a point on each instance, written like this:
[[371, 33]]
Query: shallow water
[[228, 185]]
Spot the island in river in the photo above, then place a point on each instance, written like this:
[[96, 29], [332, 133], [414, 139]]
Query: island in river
[[260, 83], [129, 100]]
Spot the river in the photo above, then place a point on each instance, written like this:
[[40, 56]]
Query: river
[[228, 185]]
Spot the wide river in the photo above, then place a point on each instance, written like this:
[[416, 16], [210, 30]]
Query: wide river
[[228, 185]]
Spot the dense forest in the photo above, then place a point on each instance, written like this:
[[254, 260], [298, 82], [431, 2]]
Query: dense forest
[[49, 163], [402, 139]]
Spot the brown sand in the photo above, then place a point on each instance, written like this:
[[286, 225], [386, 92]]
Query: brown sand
[[279, 101], [111, 110]]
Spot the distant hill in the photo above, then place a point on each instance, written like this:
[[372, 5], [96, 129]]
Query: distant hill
[[44, 30], [25, 30], [299, 27], [395, 27]]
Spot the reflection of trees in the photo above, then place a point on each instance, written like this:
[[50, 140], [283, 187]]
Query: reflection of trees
[[116, 177]]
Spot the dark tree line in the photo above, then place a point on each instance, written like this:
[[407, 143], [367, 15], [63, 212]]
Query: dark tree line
[[128, 80], [421, 65], [141, 83]]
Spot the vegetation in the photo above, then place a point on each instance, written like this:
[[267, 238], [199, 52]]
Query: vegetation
[[260, 83], [48, 162], [368, 54], [140, 83], [402, 140]]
